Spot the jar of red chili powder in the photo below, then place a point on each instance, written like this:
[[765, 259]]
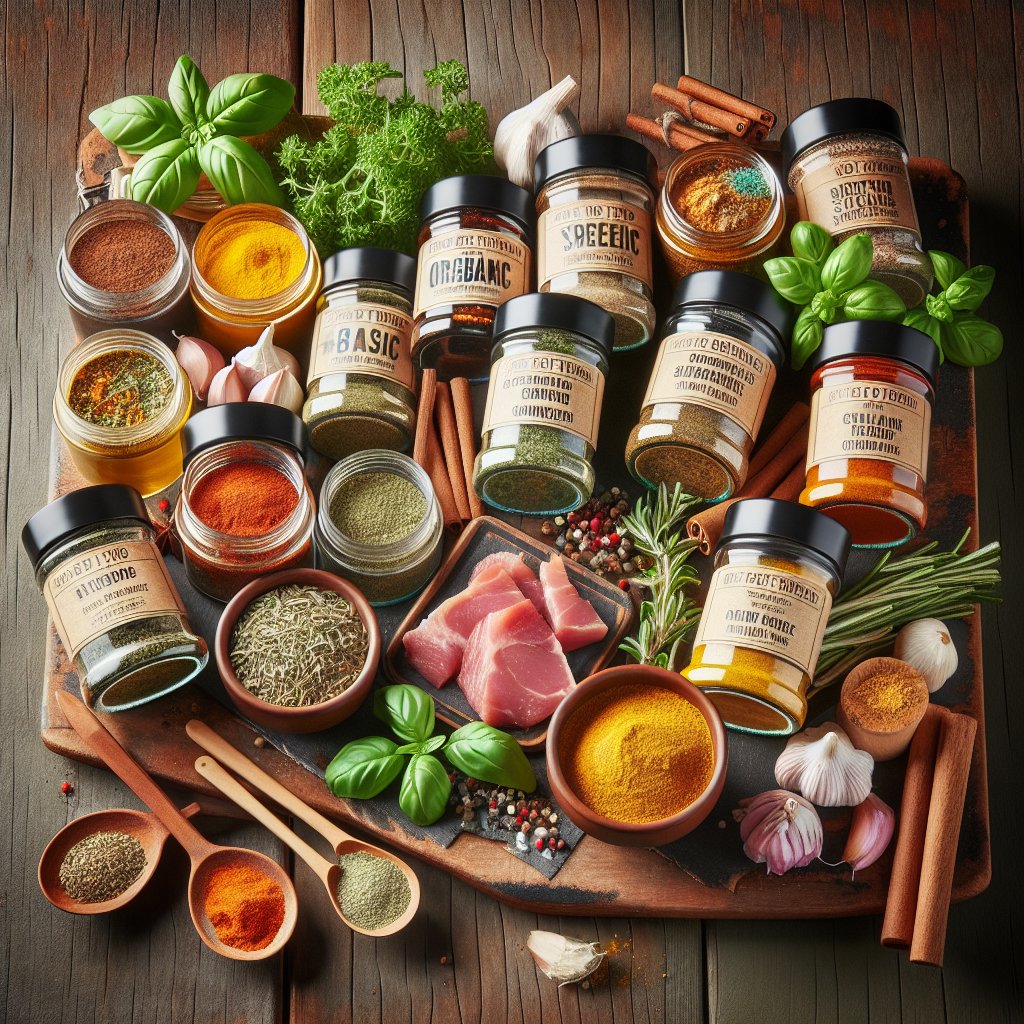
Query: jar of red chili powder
[[245, 508], [871, 408]]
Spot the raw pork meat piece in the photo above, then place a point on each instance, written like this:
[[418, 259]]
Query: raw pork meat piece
[[515, 565], [572, 617]]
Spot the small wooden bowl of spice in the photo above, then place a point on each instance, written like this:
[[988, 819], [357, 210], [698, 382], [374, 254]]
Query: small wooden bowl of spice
[[298, 650]]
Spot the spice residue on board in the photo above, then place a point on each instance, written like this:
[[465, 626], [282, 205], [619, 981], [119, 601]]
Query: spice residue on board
[[245, 906], [373, 891], [122, 388], [102, 866]]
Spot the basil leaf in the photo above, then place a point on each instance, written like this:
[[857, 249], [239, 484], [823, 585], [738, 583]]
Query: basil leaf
[[249, 104], [920, 320], [810, 241], [425, 789], [873, 300], [166, 176], [486, 753], [947, 268], [971, 289], [971, 341], [188, 91], [938, 308], [807, 334], [407, 711], [364, 768], [793, 278], [422, 746], [848, 264], [137, 123], [238, 172]]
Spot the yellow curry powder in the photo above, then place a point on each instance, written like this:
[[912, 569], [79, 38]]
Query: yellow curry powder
[[887, 700], [637, 753], [253, 259]]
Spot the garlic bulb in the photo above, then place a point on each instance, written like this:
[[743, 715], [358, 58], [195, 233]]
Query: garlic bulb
[[200, 361], [280, 388], [523, 133], [871, 830], [226, 386], [779, 829], [563, 959], [927, 646], [259, 361], [823, 765]]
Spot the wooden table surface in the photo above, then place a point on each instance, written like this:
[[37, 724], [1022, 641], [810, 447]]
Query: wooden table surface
[[954, 73]]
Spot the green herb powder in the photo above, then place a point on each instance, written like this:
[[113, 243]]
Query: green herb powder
[[373, 891], [377, 508]]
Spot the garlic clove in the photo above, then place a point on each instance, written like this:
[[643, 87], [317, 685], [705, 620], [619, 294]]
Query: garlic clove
[[780, 830], [927, 646], [200, 361], [564, 959], [226, 386], [259, 361], [871, 830], [280, 388], [823, 765]]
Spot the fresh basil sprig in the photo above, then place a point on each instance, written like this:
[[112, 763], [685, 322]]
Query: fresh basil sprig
[[486, 753], [425, 789]]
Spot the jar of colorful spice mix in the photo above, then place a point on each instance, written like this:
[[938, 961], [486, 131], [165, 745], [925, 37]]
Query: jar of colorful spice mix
[[871, 409], [361, 379], [720, 208], [379, 525], [709, 388], [121, 402], [245, 508], [539, 434], [254, 265], [474, 254], [778, 566], [594, 203], [113, 603]]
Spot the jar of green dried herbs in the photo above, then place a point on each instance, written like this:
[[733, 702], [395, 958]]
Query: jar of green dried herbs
[[112, 601], [548, 370], [360, 383]]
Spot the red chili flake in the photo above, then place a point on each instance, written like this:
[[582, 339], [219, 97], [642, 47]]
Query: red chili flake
[[164, 505], [595, 524], [614, 538], [443, 960], [623, 584], [66, 787], [540, 844]]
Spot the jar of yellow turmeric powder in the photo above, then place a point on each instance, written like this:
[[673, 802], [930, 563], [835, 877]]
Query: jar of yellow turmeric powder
[[253, 265], [777, 568]]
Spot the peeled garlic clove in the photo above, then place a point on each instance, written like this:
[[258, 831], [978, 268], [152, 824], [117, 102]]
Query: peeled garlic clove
[[823, 765], [200, 361], [226, 386], [563, 959], [871, 830], [280, 388], [259, 361], [779, 829], [927, 646]]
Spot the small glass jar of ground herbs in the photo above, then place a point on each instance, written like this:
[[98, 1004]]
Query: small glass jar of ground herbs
[[474, 254], [594, 203], [112, 601], [846, 160], [543, 408], [361, 379], [710, 385], [379, 525]]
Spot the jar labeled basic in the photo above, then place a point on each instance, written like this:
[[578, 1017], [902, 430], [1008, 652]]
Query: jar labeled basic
[[846, 160], [871, 408], [360, 385], [777, 568], [120, 404], [710, 385], [474, 254], [594, 202], [543, 404], [112, 601]]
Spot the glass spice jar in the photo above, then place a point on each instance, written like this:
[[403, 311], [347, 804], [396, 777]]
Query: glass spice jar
[[778, 566], [120, 405], [720, 208], [112, 601], [872, 389], [539, 434], [361, 379], [846, 160], [474, 254], [710, 385], [251, 454], [594, 202]]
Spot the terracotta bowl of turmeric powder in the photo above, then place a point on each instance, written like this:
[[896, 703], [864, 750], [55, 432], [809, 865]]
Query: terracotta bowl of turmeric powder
[[636, 756]]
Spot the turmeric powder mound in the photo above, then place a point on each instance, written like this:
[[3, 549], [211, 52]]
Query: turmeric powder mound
[[252, 259]]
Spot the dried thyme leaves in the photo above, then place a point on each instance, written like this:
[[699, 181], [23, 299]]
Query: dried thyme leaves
[[102, 866]]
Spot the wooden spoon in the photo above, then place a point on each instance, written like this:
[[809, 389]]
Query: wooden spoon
[[205, 856]]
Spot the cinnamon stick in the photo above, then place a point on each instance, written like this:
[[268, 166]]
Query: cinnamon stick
[[724, 100], [677, 136], [436, 469], [796, 415], [424, 416], [449, 443], [462, 398], [698, 110]]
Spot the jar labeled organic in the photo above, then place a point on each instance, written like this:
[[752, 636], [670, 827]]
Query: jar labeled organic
[[720, 208], [594, 202], [254, 265], [778, 566], [360, 384], [124, 264], [543, 404], [120, 405], [872, 390], [245, 508], [112, 601], [846, 160], [710, 385], [474, 254], [379, 525]]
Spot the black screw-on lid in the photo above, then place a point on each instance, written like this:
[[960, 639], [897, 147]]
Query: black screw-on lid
[[369, 264], [242, 421], [758, 517], [479, 191], [879, 338], [614, 151], [88, 506], [838, 117], [556, 312]]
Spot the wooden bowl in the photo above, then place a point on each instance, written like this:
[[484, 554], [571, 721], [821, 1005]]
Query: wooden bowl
[[315, 717], [621, 833]]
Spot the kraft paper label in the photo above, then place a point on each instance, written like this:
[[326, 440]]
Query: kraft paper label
[[768, 610], [870, 420], [108, 586], [594, 235], [716, 372], [545, 389], [468, 266], [362, 338]]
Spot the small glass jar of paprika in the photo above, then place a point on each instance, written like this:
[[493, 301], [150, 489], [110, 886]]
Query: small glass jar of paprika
[[245, 508], [873, 384]]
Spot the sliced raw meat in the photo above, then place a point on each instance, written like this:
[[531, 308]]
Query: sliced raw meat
[[514, 672], [515, 565], [434, 651], [572, 617]]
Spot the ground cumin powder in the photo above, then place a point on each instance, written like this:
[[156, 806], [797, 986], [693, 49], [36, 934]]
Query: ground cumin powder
[[888, 700]]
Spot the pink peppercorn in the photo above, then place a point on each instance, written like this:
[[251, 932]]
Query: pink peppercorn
[[540, 844], [595, 524]]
